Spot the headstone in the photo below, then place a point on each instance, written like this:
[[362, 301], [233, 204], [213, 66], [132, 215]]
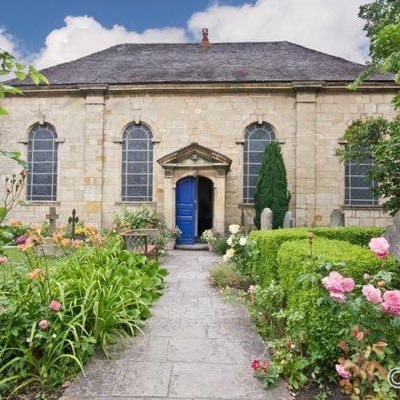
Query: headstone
[[73, 220], [266, 219], [392, 235], [52, 216], [337, 218], [288, 220]]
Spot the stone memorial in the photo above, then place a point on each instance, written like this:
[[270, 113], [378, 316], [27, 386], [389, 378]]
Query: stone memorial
[[266, 219], [392, 235], [288, 220], [337, 218]]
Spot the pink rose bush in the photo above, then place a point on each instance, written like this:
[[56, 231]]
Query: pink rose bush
[[380, 246], [391, 302]]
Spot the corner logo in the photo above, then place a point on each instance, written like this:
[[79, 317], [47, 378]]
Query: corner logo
[[394, 378]]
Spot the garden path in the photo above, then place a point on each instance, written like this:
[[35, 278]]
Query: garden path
[[196, 346]]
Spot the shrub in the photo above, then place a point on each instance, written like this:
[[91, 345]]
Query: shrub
[[319, 325], [220, 246], [271, 190], [225, 275], [264, 265]]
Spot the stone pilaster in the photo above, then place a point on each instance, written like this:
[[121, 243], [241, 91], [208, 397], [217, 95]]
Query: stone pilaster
[[305, 185], [219, 201], [94, 155]]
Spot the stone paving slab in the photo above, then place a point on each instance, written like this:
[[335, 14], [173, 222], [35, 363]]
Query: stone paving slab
[[196, 346]]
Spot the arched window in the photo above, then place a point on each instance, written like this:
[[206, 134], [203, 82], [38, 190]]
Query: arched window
[[42, 160], [257, 137], [358, 189], [137, 163]]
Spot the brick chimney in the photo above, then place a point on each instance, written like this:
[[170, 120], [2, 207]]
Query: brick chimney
[[205, 44]]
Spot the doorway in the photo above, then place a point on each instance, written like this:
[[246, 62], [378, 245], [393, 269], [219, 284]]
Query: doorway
[[194, 208]]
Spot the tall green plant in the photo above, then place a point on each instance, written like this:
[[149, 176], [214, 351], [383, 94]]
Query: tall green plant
[[271, 191]]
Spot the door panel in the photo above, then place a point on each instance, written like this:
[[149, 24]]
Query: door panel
[[186, 209]]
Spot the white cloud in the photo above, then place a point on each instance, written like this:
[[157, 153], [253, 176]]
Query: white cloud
[[8, 43], [325, 25], [84, 35]]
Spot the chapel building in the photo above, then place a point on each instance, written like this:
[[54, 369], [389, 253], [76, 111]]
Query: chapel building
[[182, 127]]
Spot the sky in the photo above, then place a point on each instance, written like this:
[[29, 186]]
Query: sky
[[49, 32]]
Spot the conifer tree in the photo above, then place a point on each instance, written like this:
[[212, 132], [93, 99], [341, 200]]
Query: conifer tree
[[271, 191]]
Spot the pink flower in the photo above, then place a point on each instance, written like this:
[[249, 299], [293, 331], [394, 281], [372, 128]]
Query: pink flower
[[372, 294], [339, 297], [3, 260], [252, 289], [381, 283], [342, 372], [55, 305], [380, 246], [21, 239], [391, 302], [44, 324], [366, 276], [337, 284], [255, 364]]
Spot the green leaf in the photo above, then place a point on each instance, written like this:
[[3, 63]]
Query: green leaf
[[20, 75]]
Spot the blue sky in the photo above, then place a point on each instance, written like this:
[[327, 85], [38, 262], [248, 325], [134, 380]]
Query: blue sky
[[47, 32]]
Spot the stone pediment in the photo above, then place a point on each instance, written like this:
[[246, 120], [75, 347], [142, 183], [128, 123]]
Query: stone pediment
[[195, 156]]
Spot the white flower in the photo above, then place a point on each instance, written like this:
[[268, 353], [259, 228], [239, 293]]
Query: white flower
[[229, 254], [234, 229], [225, 258], [243, 241], [229, 241]]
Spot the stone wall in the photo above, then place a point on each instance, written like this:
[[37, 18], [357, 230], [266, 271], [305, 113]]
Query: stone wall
[[308, 120]]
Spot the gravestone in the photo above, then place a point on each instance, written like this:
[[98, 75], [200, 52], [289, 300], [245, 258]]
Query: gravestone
[[392, 235], [266, 219], [73, 220], [52, 216], [337, 218], [288, 220]]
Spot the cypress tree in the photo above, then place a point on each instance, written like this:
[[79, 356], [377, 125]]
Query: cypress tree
[[271, 190]]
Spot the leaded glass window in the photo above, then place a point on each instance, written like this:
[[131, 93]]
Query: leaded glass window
[[137, 163], [257, 137], [358, 189], [42, 160]]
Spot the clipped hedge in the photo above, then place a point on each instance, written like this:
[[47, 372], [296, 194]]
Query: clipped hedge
[[263, 267], [319, 326]]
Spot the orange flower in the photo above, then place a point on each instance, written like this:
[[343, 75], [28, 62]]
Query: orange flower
[[15, 223], [35, 274]]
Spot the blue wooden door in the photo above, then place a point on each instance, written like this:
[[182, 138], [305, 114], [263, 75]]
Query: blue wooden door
[[186, 209]]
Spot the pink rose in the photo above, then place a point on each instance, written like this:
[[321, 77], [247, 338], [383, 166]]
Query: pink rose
[[342, 372], [3, 260], [43, 324], [372, 294], [55, 305], [366, 276], [391, 302], [380, 246], [255, 364], [337, 285], [381, 283], [339, 297]]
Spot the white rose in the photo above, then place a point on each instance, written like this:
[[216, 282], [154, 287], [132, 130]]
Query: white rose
[[243, 241], [234, 229], [229, 241]]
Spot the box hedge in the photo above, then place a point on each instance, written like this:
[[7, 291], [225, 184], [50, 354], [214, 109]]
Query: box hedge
[[319, 326], [263, 266]]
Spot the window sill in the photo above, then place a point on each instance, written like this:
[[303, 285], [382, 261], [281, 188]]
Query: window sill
[[246, 205], [41, 203], [372, 208]]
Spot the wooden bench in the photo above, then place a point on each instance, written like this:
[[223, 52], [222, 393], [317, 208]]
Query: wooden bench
[[142, 241]]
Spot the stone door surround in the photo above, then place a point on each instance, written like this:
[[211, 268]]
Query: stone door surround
[[195, 160]]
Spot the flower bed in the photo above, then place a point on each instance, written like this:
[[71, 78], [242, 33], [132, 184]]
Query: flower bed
[[54, 313]]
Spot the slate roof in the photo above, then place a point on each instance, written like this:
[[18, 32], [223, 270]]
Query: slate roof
[[189, 63]]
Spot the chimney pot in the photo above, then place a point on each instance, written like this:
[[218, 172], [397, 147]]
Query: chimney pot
[[205, 44]]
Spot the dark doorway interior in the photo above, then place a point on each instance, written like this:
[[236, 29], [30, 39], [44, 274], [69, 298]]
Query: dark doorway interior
[[205, 197]]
